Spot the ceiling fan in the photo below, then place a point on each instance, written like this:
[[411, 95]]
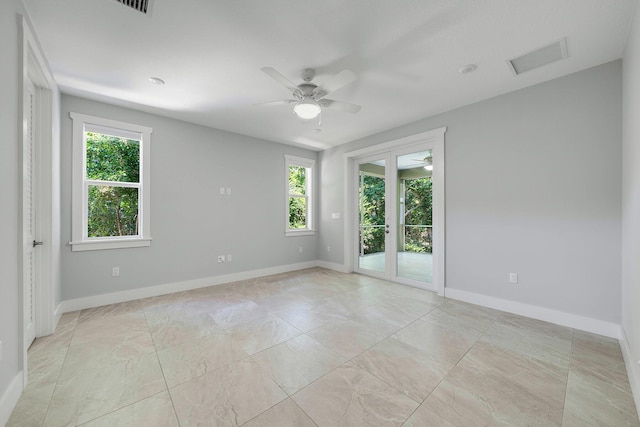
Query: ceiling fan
[[309, 98], [428, 161]]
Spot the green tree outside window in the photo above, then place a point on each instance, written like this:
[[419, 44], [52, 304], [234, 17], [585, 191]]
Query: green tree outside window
[[112, 208]]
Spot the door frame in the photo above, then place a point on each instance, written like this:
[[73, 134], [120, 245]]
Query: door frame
[[34, 67], [436, 139]]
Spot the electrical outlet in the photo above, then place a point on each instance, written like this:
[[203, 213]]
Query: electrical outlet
[[222, 190], [300, 249], [513, 278], [228, 191], [229, 258], [328, 248], [220, 258], [115, 272]]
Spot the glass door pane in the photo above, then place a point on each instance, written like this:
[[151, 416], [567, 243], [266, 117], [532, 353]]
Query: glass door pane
[[371, 213], [414, 207]]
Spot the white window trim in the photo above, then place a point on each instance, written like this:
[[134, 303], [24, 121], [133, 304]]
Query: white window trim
[[79, 205], [305, 163]]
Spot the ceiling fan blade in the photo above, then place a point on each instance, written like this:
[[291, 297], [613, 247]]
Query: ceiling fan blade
[[271, 72], [339, 105], [273, 103], [427, 159], [343, 78]]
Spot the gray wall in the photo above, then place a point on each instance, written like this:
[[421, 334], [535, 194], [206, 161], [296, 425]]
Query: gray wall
[[532, 186], [9, 225], [631, 200], [191, 222]]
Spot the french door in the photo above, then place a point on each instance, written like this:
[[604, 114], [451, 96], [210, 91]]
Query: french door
[[395, 224]]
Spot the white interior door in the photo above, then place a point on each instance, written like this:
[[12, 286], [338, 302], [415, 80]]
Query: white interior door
[[29, 209]]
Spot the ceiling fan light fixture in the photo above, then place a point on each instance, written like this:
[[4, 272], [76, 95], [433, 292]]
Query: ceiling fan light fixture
[[307, 109]]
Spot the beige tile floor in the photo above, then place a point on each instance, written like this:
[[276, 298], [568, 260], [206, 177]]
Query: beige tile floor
[[317, 347]]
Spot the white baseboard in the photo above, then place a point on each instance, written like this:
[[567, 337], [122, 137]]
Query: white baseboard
[[57, 315], [10, 397], [167, 288], [633, 370], [341, 268], [575, 321]]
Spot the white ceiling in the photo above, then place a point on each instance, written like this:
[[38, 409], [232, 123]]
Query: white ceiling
[[406, 54]]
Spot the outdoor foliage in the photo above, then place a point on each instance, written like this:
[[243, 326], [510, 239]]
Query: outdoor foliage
[[418, 213], [113, 210], [297, 205], [372, 214]]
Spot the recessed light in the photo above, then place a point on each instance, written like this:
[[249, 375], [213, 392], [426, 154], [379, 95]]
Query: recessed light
[[470, 68], [156, 81], [317, 130]]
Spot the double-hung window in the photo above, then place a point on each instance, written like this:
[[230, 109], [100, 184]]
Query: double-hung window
[[299, 190], [110, 192]]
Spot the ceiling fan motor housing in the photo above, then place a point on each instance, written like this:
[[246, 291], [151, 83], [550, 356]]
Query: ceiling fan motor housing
[[306, 89], [308, 74]]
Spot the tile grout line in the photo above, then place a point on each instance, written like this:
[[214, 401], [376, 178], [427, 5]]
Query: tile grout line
[[566, 384], [77, 320], [164, 377], [452, 368], [351, 359]]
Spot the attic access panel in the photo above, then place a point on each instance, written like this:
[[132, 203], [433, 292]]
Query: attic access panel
[[539, 57]]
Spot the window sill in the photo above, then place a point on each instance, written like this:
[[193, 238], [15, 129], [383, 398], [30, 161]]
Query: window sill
[[96, 245], [306, 232]]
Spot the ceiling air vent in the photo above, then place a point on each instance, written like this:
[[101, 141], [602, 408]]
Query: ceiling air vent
[[539, 57], [139, 5]]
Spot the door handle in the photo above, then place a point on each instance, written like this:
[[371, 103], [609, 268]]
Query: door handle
[[37, 243]]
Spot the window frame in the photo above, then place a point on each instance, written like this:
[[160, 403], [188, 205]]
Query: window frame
[[310, 195], [80, 184]]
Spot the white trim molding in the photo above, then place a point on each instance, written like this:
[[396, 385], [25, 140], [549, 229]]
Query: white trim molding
[[588, 324], [168, 288], [310, 195], [633, 366], [35, 70], [9, 399], [340, 268]]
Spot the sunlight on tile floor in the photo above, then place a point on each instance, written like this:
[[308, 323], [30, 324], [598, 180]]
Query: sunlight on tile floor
[[316, 347]]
